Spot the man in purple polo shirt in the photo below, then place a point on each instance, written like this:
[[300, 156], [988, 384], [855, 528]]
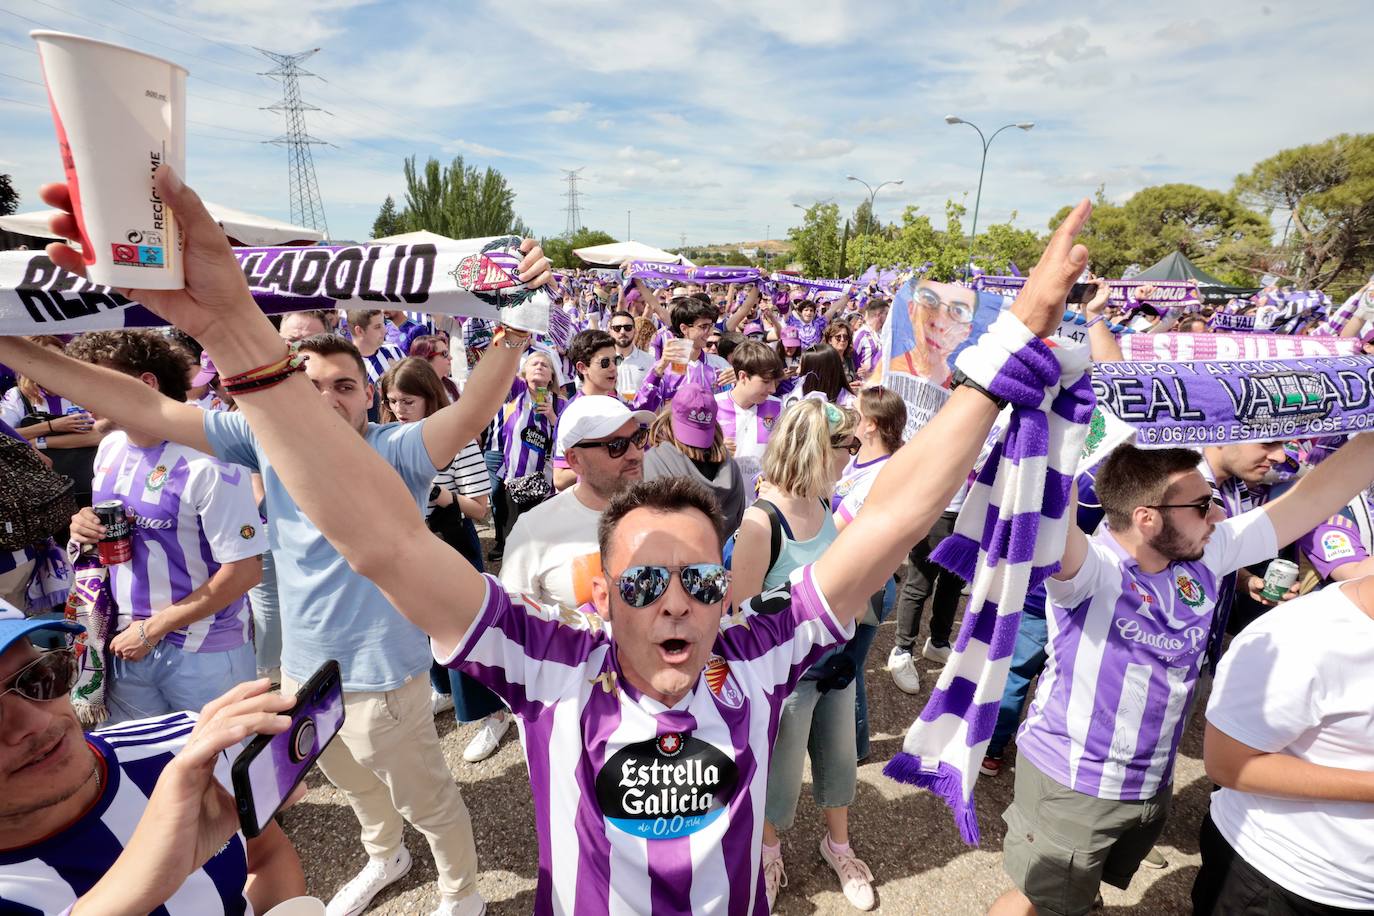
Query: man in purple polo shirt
[[1130, 615], [749, 410], [648, 726], [184, 633]]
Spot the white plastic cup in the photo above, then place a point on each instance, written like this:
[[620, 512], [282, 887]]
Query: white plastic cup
[[298, 906], [119, 115]]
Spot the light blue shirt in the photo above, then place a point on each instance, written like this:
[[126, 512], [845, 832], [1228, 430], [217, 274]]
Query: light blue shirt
[[327, 610]]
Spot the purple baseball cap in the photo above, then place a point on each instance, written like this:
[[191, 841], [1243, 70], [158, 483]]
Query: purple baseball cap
[[207, 370], [790, 337], [694, 416]]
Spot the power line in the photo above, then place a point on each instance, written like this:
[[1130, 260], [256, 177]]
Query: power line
[[195, 34]]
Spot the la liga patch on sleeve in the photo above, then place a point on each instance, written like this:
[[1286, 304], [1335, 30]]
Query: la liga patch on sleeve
[[1336, 545]]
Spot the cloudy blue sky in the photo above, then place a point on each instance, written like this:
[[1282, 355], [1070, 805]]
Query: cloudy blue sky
[[710, 119]]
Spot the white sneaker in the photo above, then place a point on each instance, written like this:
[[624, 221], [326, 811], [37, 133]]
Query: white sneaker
[[488, 737], [855, 879], [440, 703], [934, 653], [471, 905], [774, 878], [904, 672], [378, 874]]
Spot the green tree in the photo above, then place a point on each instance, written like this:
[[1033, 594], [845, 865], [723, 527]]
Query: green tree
[[9, 197], [389, 220], [460, 201], [1107, 236], [559, 249], [863, 221], [1003, 244], [1327, 189], [816, 243]]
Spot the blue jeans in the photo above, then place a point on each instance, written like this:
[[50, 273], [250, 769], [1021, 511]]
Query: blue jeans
[[1027, 661], [821, 724], [169, 679], [262, 598], [880, 605]]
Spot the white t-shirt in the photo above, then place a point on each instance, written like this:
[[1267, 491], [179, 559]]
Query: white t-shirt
[[1300, 681], [552, 553], [630, 376]]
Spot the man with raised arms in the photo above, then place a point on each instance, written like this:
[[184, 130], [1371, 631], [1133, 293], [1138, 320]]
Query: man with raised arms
[[647, 728], [1131, 614]]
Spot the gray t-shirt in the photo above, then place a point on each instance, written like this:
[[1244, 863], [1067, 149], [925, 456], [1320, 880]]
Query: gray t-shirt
[[327, 610]]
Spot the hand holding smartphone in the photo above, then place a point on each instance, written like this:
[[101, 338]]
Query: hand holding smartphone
[[267, 771]]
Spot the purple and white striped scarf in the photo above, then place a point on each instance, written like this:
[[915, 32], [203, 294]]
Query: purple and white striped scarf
[[1009, 538]]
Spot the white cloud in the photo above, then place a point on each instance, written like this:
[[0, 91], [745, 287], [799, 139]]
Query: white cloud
[[802, 148], [568, 113]]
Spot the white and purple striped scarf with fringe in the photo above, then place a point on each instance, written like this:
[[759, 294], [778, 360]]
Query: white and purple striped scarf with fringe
[[1009, 538]]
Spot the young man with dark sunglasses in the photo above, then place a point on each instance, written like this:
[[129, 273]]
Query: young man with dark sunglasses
[[648, 727], [134, 818], [634, 362], [1131, 617]]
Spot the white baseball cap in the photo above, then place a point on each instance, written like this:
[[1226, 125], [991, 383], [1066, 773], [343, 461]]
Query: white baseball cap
[[595, 416]]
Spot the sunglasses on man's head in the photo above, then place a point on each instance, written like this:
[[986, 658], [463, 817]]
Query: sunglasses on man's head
[[641, 586], [623, 327], [51, 675], [1203, 506], [617, 447]]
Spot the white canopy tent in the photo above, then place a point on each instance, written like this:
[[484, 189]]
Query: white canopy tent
[[243, 228], [617, 253], [418, 237]]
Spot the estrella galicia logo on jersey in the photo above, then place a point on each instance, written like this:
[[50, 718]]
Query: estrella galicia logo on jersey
[[247, 532], [1189, 589], [666, 787], [157, 477], [722, 683]]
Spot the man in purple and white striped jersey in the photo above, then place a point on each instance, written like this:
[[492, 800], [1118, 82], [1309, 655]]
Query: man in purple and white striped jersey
[[368, 329], [693, 320], [184, 632], [596, 362], [868, 342], [1131, 615]]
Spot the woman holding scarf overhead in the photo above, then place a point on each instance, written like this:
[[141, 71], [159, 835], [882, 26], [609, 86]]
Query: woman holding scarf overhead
[[804, 458]]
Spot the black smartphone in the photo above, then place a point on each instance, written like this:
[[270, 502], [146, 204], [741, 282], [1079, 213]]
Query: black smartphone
[[269, 768], [1081, 293]]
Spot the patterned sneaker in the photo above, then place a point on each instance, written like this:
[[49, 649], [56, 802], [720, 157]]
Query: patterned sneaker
[[991, 766], [376, 876], [855, 879], [904, 672], [774, 878]]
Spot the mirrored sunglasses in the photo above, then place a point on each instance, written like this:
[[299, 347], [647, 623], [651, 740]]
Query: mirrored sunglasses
[[641, 586]]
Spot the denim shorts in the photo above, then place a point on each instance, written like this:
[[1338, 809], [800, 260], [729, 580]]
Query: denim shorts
[[170, 679]]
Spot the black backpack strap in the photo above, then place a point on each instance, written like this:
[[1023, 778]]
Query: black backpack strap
[[776, 524]]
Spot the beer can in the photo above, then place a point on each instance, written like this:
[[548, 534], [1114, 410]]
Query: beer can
[[117, 546], [1279, 577]]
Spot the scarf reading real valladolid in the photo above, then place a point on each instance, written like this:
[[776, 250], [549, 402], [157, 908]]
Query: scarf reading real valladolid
[[1009, 537]]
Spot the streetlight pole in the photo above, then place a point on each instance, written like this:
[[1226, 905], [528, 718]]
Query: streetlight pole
[[627, 225], [978, 198], [872, 193]]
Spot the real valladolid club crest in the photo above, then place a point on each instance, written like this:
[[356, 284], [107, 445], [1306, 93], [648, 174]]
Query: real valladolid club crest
[[157, 477], [493, 275], [722, 684], [1189, 589]]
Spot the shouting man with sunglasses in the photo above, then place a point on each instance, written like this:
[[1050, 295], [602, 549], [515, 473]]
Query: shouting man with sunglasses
[[648, 726], [135, 818], [1132, 619]]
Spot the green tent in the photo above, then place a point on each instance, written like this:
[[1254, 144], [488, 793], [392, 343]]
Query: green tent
[[1176, 266]]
